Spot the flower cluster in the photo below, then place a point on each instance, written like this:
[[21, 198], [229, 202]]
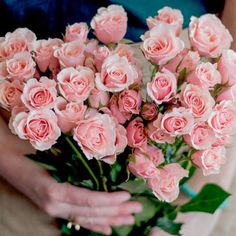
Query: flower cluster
[[91, 89]]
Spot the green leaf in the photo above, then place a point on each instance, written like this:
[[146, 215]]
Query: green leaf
[[136, 186], [87, 183], [208, 199], [150, 208], [169, 226], [115, 169], [123, 230]]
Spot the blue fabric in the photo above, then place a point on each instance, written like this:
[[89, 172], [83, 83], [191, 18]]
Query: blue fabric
[[50, 17]]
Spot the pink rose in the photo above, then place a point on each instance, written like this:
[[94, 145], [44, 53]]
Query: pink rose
[[22, 39], [77, 31], [98, 98], [155, 155], [136, 134], [149, 111], [210, 160], [170, 16], [68, 113], [39, 94], [141, 165], [71, 54], [177, 122], [223, 118], [10, 93], [100, 55], [21, 66], [205, 75], [201, 137], [121, 117], [124, 50], [129, 101], [227, 66], [160, 44], [228, 94], [166, 185], [44, 50], [110, 24], [39, 127], [158, 135], [223, 140], [163, 86], [198, 100], [116, 74], [208, 35], [96, 136], [76, 85]]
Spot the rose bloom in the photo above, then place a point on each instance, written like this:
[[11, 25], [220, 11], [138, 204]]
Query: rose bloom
[[160, 44], [227, 66], [121, 117], [68, 113], [170, 16], [100, 54], [39, 127], [129, 101], [98, 98], [223, 140], [205, 75], [22, 39], [96, 136], [228, 94], [110, 24], [124, 50], [141, 165], [208, 35], [76, 85], [39, 94], [44, 50], [201, 137], [149, 111], [163, 86], [186, 59], [155, 154], [136, 134], [21, 66], [198, 100], [77, 31], [10, 93], [166, 185], [71, 54], [177, 122], [223, 118], [210, 160], [116, 74]]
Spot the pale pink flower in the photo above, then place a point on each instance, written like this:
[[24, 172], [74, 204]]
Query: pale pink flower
[[77, 31], [98, 98]]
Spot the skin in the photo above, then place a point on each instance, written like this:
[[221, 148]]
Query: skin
[[97, 211]]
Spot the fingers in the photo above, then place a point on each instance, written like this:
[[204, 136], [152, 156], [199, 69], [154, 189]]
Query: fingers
[[103, 229]]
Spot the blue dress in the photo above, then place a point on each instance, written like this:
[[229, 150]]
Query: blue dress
[[48, 18]]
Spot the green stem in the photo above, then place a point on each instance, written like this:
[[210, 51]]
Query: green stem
[[102, 177], [83, 161]]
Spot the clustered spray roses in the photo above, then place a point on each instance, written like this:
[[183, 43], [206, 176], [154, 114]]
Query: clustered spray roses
[[93, 92]]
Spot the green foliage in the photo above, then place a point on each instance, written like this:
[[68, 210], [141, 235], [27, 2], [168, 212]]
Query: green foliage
[[169, 226]]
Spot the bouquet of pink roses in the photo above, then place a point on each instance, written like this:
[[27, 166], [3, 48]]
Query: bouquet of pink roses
[[103, 116]]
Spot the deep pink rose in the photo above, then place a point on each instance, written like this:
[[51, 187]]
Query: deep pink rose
[[201, 137], [136, 134], [166, 185], [98, 98], [71, 54], [68, 113], [160, 44], [39, 94], [205, 75], [210, 160], [177, 122], [116, 74], [149, 111], [77, 31], [208, 35], [39, 127], [110, 24], [76, 85], [163, 86], [198, 100], [223, 118], [170, 16], [10, 93]]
